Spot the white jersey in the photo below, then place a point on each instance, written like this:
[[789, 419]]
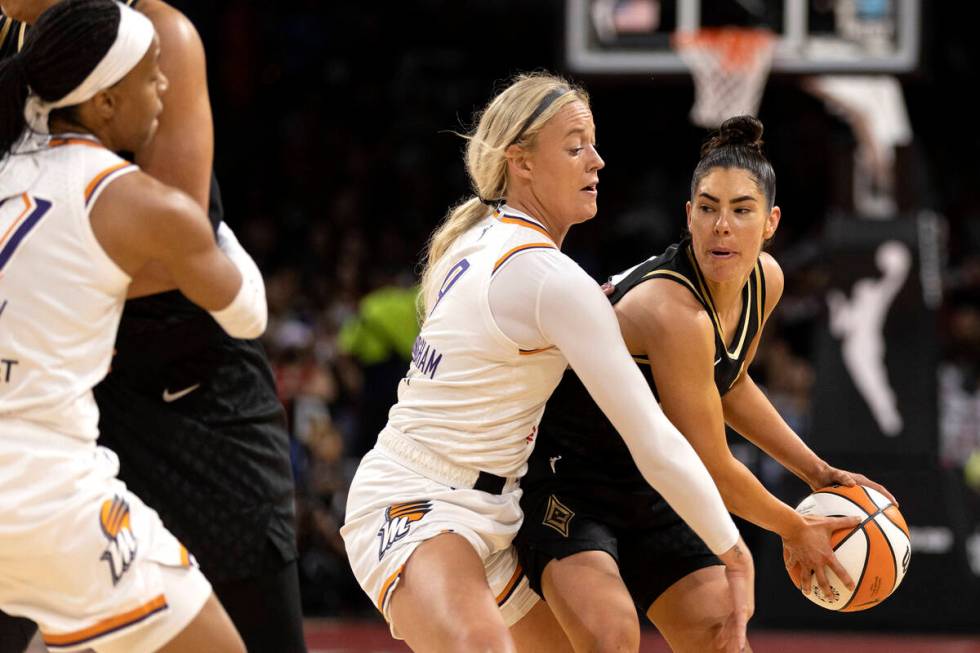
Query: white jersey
[[61, 296], [471, 393], [510, 313]]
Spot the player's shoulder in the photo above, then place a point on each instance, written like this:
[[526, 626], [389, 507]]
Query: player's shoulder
[[667, 312], [662, 303], [174, 28], [774, 279], [144, 197]]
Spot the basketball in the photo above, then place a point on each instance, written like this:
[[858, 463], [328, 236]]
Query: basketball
[[875, 553]]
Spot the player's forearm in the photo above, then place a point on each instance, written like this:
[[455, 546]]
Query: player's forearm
[[746, 497], [749, 411]]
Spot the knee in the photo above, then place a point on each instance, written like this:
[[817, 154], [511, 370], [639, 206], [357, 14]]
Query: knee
[[619, 634], [702, 626], [483, 638]]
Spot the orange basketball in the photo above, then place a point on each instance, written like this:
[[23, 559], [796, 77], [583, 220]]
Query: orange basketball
[[875, 553]]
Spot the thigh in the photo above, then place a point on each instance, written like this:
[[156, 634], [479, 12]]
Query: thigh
[[538, 631], [558, 524], [590, 601], [186, 617], [91, 565], [210, 630], [442, 599], [391, 512], [692, 610], [655, 555]]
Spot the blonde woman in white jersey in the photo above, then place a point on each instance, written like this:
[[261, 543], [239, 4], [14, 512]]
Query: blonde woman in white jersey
[[434, 506], [80, 555]]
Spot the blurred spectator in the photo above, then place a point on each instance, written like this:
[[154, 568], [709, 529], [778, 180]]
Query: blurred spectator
[[959, 381], [380, 337]]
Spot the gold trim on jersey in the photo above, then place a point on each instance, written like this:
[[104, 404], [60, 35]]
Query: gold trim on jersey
[[531, 352], [758, 292], [746, 310], [4, 29], [20, 37], [671, 273], [741, 371], [642, 360]]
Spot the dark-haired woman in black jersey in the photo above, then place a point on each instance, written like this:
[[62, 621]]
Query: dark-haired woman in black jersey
[[596, 540]]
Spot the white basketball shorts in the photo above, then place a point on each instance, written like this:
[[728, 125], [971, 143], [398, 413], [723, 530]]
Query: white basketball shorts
[[81, 555], [392, 509]]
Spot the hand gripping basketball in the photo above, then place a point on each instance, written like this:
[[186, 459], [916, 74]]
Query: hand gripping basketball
[[874, 550]]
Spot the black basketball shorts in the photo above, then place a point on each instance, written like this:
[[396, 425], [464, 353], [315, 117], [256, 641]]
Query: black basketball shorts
[[570, 510]]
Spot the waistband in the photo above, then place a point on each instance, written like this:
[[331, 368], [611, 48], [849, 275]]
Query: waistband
[[422, 460]]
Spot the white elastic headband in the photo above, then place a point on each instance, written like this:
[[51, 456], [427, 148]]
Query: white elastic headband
[[132, 41]]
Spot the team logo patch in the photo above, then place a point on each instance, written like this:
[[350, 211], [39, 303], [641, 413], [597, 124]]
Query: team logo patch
[[399, 518], [558, 516], [122, 547]]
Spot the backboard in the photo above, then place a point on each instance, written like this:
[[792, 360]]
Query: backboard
[[813, 36]]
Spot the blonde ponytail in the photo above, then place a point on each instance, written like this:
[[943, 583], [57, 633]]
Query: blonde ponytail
[[514, 116], [458, 221]]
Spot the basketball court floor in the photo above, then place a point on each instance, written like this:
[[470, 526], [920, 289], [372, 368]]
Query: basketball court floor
[[333, 636], [326, 636]]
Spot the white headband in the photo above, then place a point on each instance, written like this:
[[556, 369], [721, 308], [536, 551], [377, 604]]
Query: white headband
[[132, 41]]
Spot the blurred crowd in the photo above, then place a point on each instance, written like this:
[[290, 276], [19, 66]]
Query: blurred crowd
[[336, 155]]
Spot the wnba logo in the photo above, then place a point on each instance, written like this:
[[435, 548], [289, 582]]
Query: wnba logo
[[399, 518], [114, 520]]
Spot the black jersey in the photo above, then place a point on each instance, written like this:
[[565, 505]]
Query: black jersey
[[201, 435], [574, 424], [194, 417]]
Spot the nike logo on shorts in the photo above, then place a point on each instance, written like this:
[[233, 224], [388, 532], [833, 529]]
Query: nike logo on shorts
[[174, 396]]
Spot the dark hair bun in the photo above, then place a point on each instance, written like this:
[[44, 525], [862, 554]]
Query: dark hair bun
[[744, 131]]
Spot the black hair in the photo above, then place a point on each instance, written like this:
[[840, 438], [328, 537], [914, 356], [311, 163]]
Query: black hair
[[738, 144], [60, 51]]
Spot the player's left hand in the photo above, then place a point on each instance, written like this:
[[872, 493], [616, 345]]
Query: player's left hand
[[834, 476]]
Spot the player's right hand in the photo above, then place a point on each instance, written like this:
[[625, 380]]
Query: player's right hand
[[740, 572], [809, 549]]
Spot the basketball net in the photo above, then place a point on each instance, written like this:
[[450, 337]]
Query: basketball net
[[730, 66]]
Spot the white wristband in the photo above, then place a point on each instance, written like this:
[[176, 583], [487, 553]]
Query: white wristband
[[246, 316]]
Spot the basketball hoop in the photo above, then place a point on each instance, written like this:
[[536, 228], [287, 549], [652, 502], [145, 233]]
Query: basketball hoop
[[730, 66]]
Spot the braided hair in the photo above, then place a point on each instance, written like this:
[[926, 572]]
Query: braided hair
[[60, 51]]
